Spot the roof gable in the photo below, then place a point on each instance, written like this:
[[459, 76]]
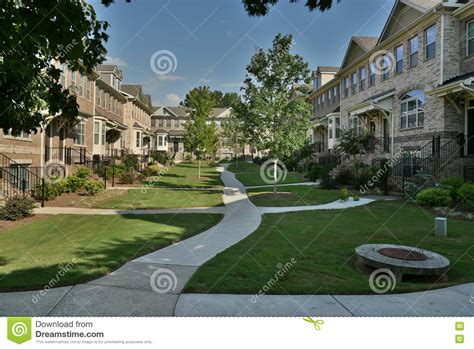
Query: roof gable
[[358, 46], [404, 12]]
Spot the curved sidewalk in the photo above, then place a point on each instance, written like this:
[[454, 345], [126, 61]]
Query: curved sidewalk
[[106, 211]]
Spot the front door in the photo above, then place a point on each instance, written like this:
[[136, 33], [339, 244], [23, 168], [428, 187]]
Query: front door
[[175, 146], [470, 132]]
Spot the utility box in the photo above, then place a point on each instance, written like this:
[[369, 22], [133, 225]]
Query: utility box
[[441, 227]]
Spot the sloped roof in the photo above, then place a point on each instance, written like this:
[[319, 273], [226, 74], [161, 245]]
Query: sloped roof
[[110, 68], [216, 112], [180, 111], [326, 69], [136, 91], [358, 46]]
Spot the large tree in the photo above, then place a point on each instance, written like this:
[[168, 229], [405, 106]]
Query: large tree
[[34, 37], [201, 137], [233, 135], [262, 7], [277, 113]]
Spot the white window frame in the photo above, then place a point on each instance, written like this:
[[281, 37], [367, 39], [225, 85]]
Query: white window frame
[[79, 132], [354, 81], [96, 132], [362, 78], [469, 39], [412, 53], [417, 112], [433, 27], [399, 60]]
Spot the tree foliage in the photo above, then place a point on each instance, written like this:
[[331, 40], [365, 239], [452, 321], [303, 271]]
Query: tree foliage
[[277, 113], [262, 7], [232, 133], [201, 137], [34, 37]]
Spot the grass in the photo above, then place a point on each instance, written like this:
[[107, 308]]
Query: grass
[[160, 198], [249, 174], [185, 175], [297, 195], [32, 255], [323, 243]]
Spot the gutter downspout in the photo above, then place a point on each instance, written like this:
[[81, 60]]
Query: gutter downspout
[[441, 58]]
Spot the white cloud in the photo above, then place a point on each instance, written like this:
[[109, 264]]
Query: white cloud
[[168, 77], [171, 100], [204, 81], [115, 60]]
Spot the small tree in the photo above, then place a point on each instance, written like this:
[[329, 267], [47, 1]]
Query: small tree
[[201, 138], [355, 145], [232, 133], [277, 112]]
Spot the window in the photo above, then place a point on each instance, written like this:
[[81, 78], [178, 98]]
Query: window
[[97, 96], [372, 74], [168, 122], [123, 135], [110, 102], [334, 93], [21, 136], [88, 89], [102, 133], [346, 86], [322, 101], [79, 132], [356, 125], [160, 141], [73, 80], [102, 98], [138, 139], [362, 74], [329, 97], [96, 132], [354, 83], [338, 127], [62, 79], [330, 128], [161, 122], [412, 113], [430, 42], [470, 38], [318, 102], [386, 67], [176, 123], [399, 59], [413, 52]]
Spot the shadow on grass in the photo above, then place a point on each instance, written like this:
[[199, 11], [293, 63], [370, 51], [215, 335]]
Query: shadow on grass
[[107, 255]]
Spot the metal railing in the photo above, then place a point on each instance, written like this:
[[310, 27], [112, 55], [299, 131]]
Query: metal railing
[[19, 179], [66, 155]]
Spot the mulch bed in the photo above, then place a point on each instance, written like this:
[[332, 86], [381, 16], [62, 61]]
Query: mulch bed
[[7, 225], [82, 201]]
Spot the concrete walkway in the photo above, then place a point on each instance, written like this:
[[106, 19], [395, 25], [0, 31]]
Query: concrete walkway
[[132, 289], [335, 205], [105, 211], [282, 185]]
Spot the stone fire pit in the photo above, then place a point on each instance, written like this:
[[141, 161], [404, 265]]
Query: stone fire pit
[[402, 260]]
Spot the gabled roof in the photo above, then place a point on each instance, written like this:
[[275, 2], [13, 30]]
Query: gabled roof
[[180, 111], [217, 112], [358, 46], [110, 68], [136, 91], [403, 13]]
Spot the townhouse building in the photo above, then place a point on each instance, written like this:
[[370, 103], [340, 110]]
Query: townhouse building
[[412, 88], [168, 125]]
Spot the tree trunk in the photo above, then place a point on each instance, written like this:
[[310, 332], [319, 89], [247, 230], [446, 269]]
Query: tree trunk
[[275, 166], [199, 175]]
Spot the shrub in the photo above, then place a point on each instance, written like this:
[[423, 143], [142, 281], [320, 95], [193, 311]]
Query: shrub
[[344, 176], [127, 177], [83, 172], [130, 161], [365, 174], [466, 195], [51, 190], [256, 159], [17, 207], [434, 197], [291, 164], [327, 181], [73, 184], [91, 187], [453, 184], [160, 157], [152, 170], [344, 194], [188, 157], [355, 197]]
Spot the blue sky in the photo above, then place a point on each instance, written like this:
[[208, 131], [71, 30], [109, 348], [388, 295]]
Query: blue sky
[[213, 40]]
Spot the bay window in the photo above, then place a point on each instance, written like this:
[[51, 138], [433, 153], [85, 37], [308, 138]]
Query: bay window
[[412, 112]]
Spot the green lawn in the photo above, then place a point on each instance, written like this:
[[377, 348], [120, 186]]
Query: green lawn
[[249, 174], [185, 175], [323, 243], [33, 254], [160, 198], [295, 195]]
